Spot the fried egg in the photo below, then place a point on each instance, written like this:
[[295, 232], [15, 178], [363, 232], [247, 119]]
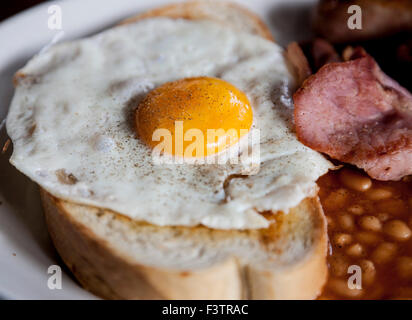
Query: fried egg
[[85, 114]]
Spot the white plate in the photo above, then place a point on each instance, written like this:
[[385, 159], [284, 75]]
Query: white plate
[[25, 248]]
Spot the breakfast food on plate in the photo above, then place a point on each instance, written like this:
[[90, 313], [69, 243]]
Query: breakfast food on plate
[[179, 156], [298, 63], [362, 116], [370, 227], [319, 52], [379, 18], [118, 258], [369, 221], [128, 227], [385, 34]]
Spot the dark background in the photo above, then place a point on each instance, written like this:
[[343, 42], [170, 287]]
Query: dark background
[[10, 7]]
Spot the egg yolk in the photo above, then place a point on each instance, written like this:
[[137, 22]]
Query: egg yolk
[[193, 117]]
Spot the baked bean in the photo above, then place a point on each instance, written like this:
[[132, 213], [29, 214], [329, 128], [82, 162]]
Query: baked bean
[[331, 222], [354, 180], [383, 216], [355, 250], [397, 229], [339, 265], [346, 222], [336, 199], [329, 180], [376, 292], [379, 194], [402, 297], [342, 239], [356, 209], [407, 178], [370, 228], [404, 267], [370, 223], [404, 293], [326, 297], [384, 252], [341, 288], [322, 193], [367, 237], [393, 206], [368, 271]]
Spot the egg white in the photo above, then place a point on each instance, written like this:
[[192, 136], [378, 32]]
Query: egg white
[[71, 125]]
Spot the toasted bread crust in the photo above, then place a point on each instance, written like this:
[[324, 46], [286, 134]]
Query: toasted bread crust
[[197, 10], [102, 269]]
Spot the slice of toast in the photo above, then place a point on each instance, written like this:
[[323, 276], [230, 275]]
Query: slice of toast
[[118, 258]]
